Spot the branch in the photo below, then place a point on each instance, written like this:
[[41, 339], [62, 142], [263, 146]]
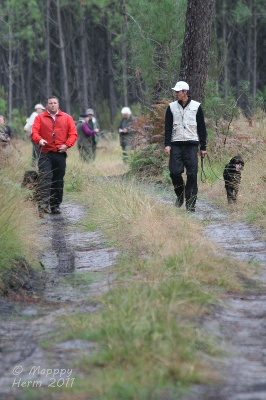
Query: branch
[[141, 30], [232, 116]]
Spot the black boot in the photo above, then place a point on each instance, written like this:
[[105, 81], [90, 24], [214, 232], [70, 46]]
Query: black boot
[[179, 197], [191, 204]]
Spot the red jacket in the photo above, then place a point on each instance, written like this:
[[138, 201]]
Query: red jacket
[[56, 133]]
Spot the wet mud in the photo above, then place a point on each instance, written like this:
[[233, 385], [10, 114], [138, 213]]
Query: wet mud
[[78, 264]]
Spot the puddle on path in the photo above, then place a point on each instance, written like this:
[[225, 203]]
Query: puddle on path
[[77, 265]]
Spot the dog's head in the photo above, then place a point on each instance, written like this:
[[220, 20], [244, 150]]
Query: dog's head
[[30, 180], [237, 162]]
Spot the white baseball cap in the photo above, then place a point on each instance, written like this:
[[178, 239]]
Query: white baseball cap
[[39, 106], [126, 110], [181, 85]]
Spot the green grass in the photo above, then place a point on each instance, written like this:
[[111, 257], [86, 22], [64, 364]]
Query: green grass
[[146, 341], [11, 244]]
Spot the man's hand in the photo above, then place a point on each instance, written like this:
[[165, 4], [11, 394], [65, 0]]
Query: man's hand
[[42, 142], [63, 148], [167, 150], [203, 153], [96, 130]]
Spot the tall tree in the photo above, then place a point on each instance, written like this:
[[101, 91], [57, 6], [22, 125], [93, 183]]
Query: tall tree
[[196, 46], [124, 52], [48, 88], [63, 57]]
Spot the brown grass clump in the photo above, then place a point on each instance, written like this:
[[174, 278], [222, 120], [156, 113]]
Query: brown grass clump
[[20, 234], [249, 141]]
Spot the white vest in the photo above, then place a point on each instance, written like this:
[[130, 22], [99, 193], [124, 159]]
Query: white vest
[[184, 121]]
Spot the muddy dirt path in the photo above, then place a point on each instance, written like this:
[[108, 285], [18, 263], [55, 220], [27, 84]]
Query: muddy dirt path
[[79, 264], [240, 322]]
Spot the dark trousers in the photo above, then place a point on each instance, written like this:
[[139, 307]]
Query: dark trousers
[[184, 157], [52, 167]]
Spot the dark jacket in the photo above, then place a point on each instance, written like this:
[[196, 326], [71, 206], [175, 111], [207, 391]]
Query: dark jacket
[[126, 138]]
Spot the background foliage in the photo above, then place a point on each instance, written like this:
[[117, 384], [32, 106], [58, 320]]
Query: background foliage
[[108, 54]]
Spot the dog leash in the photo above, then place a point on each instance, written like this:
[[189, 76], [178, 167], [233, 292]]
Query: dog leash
[[203, 174]]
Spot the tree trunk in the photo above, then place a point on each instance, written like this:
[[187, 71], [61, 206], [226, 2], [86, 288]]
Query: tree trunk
[[225, 68], [195, 53], [238, 62], [89, 65], [22, 84], [10, 72], [112, 94], [63, 58], [124, 51], [254, 63], [84, 89], [47, 48]]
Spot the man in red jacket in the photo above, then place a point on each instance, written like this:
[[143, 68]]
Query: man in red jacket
[[54, 131]]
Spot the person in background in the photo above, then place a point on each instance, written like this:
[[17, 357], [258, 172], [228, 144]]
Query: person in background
[[7, 129], [88, 130], [126, 132], [39, 108], [5, 132], [185, 131], [55, 132]]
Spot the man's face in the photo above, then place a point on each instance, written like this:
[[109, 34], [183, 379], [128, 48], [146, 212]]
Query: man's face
[[39, 110], [181, 95], [89, 116], [52, 106]]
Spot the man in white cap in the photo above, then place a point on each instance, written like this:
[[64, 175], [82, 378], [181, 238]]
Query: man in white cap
[[185, 133], [126, 132], [39, 108]]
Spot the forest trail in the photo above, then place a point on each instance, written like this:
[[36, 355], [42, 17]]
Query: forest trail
[[240, 322], [79, 264]]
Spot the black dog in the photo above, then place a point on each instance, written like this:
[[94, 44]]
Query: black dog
[[30, 181], [232, 178]]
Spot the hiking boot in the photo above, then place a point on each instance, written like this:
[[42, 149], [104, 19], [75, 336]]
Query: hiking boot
[[55, 210], [190, 205], [191, 208], [179, 201]]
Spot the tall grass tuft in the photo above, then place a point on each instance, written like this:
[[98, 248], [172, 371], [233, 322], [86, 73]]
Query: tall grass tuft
[[19, 221]]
